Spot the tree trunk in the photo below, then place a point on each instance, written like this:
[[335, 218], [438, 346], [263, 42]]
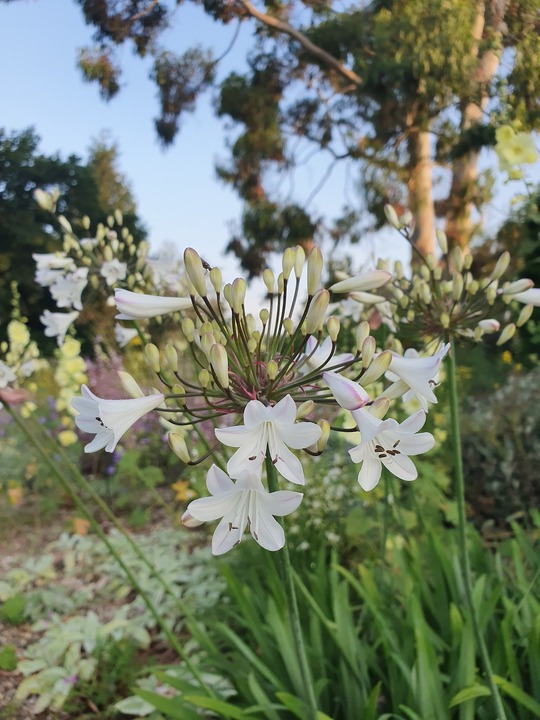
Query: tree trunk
[[460, 227], [420, 189]]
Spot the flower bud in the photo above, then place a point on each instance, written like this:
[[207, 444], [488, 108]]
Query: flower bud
[[524, 315], [110, 221], [325, 434], [305, 409], [252, 344], [368, 351], [264, 315], [507, 334], [467, 261], [107, 253], [152, 355], [315, 266], [317, 309], [204, 378], [269, 280], [178, 389], [362, 332], [130, 385], [272, 369], [299, 260], [445, 320], [179, 447], [189, 521], [430, 261], [195, 270], [491, 295], [457, 286], [238, 295], [392, 216], [118, 216], [64, 224], [442, 240], [377, 368], [380, 406], [220, 364], [333, 326], [44, 200], [216, 279], [501, 265], [288, 326], [489, 325], [398, 269], [287, 262], [280, 284], [227, 293], [457, 259], [171, 356], [188, 328], [406, 218], [518, 286]]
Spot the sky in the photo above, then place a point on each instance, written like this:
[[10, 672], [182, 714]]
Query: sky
[[179, 197]]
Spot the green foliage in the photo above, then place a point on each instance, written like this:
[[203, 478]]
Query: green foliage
[[8, 658], [12, 611], [501, 448], [382, 638]]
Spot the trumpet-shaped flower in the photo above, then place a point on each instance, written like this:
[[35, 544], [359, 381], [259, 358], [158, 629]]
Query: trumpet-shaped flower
[[388, 443], [136, 306], [349, 395], [124, 335], [57, 324], [110, 419], [113, 270], [528, 297], [419, 374], [6, 375], [241, 503], [318, 355], [67, 290], [363, 282], [274, 428]]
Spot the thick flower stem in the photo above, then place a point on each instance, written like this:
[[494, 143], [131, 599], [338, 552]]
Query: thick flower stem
[[462, 533], [66, 484], [290, 591]]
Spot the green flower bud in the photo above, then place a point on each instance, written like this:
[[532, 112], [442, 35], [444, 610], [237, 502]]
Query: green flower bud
[[269, 280], [317, 309], [287, 263], [368, 351], [299, 260], [524, 315], [195, 270], [377, 368], [272, 369], [179, 447], [507, 334], [315, 266], [171, 356], [442, 240], [333, 326], [305, 409], [204, 378], [501, 266], [216, 279], [220, 364], [152, 355]]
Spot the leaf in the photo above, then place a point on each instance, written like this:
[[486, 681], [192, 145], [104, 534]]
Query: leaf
[[134, 705], [174, 708], [8, 658], [225, 709], [518, 695], [469, 693]]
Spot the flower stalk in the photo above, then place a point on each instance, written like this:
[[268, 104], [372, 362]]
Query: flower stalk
[[462, 532], [290, 591]]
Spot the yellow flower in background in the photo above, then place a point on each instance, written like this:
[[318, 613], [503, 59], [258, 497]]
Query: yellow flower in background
[[15, 495], [183, 491], [67, 437], [506, 357], [18, 333], [71, 348], [80, 526], [514, 149]]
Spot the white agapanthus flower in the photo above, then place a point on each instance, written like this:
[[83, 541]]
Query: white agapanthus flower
[[68, 289], [113, 270], [124, 335], [136, 306], [57, 324], [240, 504], [528, 297], [388, 443], [318, 355], [110, 419], [6, 375], [414, 376], [274, 428], [383, 442]]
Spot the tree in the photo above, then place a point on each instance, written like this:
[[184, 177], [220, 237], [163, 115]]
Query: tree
[[25, 228], [394, 87]]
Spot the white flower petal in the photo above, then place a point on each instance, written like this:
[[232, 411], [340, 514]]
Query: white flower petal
[[225, 537], [370, 473], [267, 531], [283, 502], [217, 481], [401, 466], [298, 436], [136, 306], [284, 412], [349, 395], [214, 507]]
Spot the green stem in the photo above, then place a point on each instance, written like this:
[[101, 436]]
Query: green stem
[[288, 578], [66, 484], [462, 532]]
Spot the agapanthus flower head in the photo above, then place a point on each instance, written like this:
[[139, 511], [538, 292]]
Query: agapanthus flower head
[[239, 504]]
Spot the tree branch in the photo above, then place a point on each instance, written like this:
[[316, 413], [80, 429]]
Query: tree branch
[[311, 48]]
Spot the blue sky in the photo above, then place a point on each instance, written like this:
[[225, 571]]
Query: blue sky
[[177, 192]]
